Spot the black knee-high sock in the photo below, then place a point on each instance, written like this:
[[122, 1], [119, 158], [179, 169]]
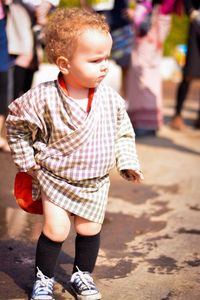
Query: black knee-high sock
[[181, 95], [86, 251], [47, 252]]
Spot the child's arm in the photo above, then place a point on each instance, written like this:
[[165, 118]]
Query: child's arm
[[21, 123], [20, 142], [125, 150]]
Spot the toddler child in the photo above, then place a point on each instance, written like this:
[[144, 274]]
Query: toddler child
[[68, 134]]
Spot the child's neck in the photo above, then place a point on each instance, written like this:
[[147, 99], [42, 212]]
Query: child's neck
[[77, 93]]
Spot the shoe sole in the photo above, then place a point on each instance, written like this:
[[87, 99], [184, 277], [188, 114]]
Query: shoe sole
[[42, 299], [90, 297]]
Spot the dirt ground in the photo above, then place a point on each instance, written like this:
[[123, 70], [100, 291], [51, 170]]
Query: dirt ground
[[150, 247]]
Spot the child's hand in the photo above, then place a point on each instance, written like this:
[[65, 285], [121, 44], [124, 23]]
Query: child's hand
[[131, 175], [32, 171]]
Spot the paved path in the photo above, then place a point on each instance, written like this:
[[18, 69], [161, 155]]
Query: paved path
[[150, 246]]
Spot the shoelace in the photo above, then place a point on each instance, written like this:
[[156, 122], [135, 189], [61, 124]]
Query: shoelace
[[43, 283], [83, 279]]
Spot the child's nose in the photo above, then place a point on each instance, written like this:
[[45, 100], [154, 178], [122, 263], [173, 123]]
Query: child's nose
[[104, 65]]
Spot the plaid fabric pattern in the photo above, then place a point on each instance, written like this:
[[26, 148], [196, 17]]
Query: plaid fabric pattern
[[75, 150]]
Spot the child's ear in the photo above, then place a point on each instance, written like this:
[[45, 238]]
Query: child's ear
[[63, 64]]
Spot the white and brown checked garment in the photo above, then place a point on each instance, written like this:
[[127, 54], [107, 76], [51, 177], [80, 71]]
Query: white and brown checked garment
[[75, 150]]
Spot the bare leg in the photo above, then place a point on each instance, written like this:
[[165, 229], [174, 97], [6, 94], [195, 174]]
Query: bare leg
[[182, 91]]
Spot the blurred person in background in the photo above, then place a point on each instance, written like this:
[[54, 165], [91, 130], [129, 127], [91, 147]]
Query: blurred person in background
[[191, 69], [5, 62], [123, 37], [152, 21], [25, 21]]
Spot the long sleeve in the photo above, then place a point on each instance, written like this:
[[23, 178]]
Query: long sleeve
[[22, 123], [125, 150]]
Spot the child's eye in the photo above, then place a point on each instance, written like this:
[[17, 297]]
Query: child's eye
[[96, 61]]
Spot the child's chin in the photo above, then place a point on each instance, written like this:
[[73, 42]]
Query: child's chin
[[93, 86]]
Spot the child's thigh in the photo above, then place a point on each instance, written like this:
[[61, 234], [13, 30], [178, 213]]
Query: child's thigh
[[56, 220], [86, 227]]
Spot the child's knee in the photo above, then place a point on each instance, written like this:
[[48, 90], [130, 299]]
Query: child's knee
[[86, 227], [57, 233]]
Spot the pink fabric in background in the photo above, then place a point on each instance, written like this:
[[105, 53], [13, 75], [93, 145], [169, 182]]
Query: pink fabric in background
[[144, 82], [171, 6], [1, 11]]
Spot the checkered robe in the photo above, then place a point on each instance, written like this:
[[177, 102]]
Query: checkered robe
[[76, 150]]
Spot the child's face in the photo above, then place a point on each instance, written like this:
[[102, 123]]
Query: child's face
[[89, 64]]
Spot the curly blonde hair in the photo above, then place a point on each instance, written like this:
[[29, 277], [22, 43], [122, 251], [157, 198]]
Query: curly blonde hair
[[64, 27]]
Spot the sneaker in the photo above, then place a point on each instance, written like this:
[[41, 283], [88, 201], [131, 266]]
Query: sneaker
[[177, 123], [43, 287], [84, 287]]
